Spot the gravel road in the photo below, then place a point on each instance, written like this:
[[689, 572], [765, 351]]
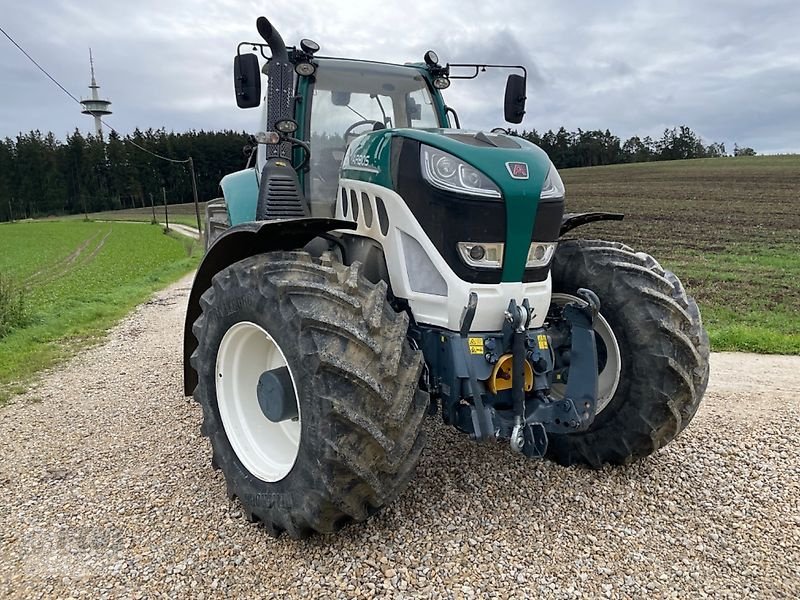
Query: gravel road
[[106, 490], [185, 230]]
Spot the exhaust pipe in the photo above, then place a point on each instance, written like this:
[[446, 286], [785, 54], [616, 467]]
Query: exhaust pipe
[[273, 39], [279, 193], [280, 87]]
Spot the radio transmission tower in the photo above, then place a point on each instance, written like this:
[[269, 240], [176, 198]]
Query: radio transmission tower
[[95, 106]]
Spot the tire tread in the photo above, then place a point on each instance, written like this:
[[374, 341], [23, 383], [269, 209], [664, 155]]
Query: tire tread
[[366, 376], [672, 374]]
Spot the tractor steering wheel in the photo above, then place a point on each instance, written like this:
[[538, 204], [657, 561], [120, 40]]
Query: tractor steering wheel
[[349, 131]]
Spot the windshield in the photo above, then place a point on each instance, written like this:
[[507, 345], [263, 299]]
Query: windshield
[[351, 98]]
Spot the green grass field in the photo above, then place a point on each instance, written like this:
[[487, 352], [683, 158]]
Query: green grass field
[[78, 279], [728, 227]]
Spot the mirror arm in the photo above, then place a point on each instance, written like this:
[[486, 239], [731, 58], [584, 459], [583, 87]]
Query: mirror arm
[[473, 76], [254, 45], [478, 67]]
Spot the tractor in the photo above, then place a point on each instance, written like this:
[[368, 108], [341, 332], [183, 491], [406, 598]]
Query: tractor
[[374, 263]]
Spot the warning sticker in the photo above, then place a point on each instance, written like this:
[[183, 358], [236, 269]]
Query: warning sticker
[[542, 339], [475, 345]]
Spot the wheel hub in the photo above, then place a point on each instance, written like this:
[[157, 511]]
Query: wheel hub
[[257, 401], [276, 395]]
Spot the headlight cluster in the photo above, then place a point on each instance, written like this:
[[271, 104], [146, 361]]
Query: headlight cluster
[[447, 172], [490, 256], [552, 187], [540, 254], [482, 256]]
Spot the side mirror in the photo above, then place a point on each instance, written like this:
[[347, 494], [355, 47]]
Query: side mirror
[[247, 80], [515, 99]]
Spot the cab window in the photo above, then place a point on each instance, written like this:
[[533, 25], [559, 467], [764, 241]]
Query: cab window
[[351, 98]]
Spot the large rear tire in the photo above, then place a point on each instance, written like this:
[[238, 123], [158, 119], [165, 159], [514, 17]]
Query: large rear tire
[[356, 441], [663, 352]]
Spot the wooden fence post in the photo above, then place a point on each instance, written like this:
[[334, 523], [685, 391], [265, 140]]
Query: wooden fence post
[[166, 214]]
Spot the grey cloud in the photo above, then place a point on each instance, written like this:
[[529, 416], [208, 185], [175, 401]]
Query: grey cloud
[[728, 69]]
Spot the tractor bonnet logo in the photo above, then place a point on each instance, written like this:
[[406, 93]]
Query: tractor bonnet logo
[[517, 170]]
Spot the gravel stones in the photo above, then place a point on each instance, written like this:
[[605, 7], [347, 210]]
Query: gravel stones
[[106, 489]]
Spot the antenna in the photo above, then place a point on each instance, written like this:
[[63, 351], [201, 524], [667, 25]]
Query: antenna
[[95, 106]]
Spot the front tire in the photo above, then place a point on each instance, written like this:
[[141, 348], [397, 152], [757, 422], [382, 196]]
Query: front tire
[[359, 427], [663, 352]]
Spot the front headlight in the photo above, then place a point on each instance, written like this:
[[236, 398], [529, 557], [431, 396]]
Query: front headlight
[[482, 255], [447, 172], [552, 187], [540, 254]]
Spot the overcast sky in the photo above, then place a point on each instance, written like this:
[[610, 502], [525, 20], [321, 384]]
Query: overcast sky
[[728, 69]]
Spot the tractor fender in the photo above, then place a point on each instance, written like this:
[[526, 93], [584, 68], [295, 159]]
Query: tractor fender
[[235, 244], [572, 220]]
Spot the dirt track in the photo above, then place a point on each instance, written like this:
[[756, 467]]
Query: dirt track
[[106, 488]]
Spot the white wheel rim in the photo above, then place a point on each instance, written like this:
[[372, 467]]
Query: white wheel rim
[[268, 450], [608, 378]]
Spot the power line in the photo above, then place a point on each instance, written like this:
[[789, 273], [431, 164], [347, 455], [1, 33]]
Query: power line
[[30, 58], [143, 149], [188, 161], [63, 89]]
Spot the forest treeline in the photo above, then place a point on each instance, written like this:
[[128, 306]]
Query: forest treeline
[[593, 148], [41, 175]]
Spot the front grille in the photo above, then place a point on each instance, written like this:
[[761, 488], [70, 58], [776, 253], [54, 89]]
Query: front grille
[[448, 218]]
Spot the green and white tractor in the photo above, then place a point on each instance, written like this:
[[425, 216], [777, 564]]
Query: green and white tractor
[[375, 263]]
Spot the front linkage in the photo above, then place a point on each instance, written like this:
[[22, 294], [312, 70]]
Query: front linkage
[[500, 385]]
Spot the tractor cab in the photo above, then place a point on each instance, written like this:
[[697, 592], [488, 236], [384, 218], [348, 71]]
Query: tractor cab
[[317, 106], [348, 98]]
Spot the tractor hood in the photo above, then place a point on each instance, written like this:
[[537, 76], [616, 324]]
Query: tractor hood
[[487, 152], [518, 168]]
